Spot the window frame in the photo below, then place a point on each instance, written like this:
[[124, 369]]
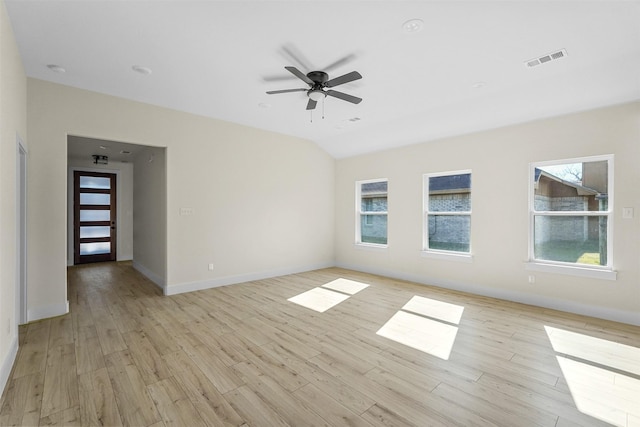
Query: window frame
[[572, 268], [443, 253], [359, 213]]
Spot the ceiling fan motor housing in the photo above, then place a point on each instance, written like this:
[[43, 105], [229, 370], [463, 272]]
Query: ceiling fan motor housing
[[318, 77]]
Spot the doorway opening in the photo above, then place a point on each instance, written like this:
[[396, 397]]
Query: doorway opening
[[139, 230]]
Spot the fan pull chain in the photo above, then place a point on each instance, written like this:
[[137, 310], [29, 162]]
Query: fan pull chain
[[311, 111]]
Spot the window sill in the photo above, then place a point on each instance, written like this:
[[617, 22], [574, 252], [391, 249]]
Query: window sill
[[593, 273], [370, 246], [448, 256]]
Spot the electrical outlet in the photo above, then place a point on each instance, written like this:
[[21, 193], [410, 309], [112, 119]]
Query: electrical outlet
[[211, 267], [532, 278]]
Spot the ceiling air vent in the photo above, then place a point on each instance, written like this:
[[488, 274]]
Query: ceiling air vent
[[546, 58]]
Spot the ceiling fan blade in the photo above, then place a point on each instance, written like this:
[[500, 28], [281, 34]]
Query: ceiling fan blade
[[311, 105], [344, 96], [298, 74], [274, 78], [349, 77], [297, 56], [272, 92], [339, 62]]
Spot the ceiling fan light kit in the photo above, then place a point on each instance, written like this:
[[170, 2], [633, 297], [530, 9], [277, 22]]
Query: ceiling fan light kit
[[316, 94], [318, 81]]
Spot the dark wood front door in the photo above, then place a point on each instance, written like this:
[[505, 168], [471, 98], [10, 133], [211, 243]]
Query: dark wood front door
[[94, 217]]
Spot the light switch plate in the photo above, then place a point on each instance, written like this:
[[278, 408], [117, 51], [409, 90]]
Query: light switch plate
[[186, 211], [627, 213]]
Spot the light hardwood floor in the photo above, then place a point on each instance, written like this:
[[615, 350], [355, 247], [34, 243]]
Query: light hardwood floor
[[244, 355]]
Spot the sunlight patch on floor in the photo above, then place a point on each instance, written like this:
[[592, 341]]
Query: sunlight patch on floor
[[329, 295], [604, 352], [426, 335], [603, 376], [346, 286], [426, 325], [440, 310]]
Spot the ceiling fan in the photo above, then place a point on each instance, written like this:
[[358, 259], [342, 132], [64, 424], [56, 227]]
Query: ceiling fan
[[318, 81]]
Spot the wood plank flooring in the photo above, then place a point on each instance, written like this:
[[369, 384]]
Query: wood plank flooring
[[244, 355]]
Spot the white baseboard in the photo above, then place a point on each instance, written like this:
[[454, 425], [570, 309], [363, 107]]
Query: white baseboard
[[7, 363], [241, 278], [629, 317], [46, 311], [157, 280]]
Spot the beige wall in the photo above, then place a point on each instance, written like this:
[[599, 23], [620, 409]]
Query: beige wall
[[13, 123], [150, 214], [499, 162], [262, 202]]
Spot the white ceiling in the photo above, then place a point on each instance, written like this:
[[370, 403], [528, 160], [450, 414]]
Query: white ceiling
[[218, 58], [85, 148]]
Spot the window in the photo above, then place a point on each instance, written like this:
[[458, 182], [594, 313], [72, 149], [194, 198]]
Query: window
[[371, 212], [571, 212], [447, 212]]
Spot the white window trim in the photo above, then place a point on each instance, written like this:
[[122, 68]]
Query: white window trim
[[447, 255], [358, 199], [578, 270], [371, 246], [439, 253], [573, 269]]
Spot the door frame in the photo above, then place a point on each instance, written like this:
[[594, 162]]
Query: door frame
[[21, 310], [111, 223], [70, 208]]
